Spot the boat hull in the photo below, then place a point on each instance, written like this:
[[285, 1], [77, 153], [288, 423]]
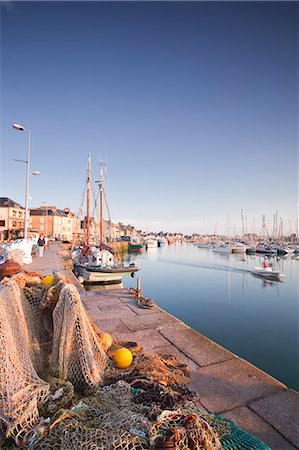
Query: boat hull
[[222, 250], [102, 276], [268, 274], [151, 244], [135, 248]]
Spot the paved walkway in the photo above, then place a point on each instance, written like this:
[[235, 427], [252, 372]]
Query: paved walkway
[[227, 384]]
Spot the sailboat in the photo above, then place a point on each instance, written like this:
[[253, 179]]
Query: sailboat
[[97, 264]]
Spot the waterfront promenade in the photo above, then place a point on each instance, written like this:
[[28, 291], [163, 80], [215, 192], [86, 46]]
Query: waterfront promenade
[[227, 384]]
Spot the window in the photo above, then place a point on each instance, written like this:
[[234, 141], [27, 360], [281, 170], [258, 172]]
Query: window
[[14, 223], [2, 223], [41, 220]]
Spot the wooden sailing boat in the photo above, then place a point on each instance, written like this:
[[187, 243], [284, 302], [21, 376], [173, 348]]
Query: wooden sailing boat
[[96, 264]]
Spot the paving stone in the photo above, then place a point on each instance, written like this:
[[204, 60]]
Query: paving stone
[[230, 384], [197, 347], [90, 304], [253, 424], [154, 321], [111, 326], [149, 339], [113, 305], [92, 309], [110, 314], [281, 410]]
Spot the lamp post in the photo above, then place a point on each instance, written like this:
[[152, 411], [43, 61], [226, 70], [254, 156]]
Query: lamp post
[[45, 203], [21, 128]]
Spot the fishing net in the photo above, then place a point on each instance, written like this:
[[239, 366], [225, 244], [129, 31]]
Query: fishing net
[[183, 431], [21, 389], [166, 369], [59, 390]]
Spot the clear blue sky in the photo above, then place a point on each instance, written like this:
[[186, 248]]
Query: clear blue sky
[[194, 106]]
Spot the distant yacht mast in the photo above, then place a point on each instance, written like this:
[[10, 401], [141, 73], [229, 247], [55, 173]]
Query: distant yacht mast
[[101, 184], [88, 202]]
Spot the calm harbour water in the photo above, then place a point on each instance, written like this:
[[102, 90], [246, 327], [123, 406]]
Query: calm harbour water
[[217, 296]]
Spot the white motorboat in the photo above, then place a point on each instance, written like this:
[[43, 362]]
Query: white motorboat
[[222, 248], [238, 247], [268, 273], [206, 245], [151, 243]]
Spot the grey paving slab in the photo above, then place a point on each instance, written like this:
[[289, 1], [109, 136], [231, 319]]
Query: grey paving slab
[[97, 313], [155, 321], [118, 308], [90, 301], [115, 305], [231, 384], [111, 326], [281, 410], [253, 424], [199, 348], [149, 339], [92, 309]]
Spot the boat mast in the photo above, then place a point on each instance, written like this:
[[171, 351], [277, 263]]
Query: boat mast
[[88, 203], [101, 182]]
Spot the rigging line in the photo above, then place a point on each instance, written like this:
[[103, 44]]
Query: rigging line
[[95, 205], [83, 195], [93, 193], [106, 203]]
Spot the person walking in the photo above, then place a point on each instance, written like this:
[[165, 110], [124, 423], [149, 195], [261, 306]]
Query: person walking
[[41, 244]]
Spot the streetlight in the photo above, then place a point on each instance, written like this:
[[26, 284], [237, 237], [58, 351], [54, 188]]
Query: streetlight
[[21, 128], [45, 203]]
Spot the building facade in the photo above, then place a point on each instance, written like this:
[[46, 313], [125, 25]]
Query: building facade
[[12, 219], [54, 222]]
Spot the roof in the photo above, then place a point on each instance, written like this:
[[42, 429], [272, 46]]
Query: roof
[[7, 202], [49, 212]]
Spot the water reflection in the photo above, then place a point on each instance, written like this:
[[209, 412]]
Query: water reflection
[[102, 287]]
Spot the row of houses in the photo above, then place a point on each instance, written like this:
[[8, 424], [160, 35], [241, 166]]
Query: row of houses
[[53, 222]]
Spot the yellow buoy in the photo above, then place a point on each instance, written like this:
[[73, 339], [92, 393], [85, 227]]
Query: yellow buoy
[[123, 358], [47, 281]]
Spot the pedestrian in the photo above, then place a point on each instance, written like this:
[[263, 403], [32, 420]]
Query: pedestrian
[[41, 243]]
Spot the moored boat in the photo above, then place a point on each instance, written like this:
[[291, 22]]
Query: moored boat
[[262, 248], [93, 265], [222, 248], [134, 246], [161, 241], [238, 247], [98, 264], [151, 242]]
